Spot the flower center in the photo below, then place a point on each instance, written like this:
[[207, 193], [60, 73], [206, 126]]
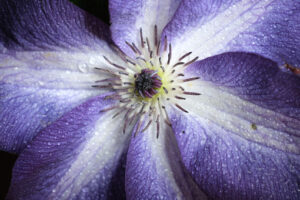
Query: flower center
[[150, 81], [147, 82]]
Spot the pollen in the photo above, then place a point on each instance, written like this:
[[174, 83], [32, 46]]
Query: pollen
[[149, 82]]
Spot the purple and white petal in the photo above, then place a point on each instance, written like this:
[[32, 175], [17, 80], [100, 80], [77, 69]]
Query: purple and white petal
[[39, 25], [268, 27], [154, 169], [46, 67], [249, 96], [227, 166], [128, 16], [80, 156], [241, 137]]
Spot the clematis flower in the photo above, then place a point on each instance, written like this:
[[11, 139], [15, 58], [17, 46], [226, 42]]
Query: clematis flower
[[175, 100]]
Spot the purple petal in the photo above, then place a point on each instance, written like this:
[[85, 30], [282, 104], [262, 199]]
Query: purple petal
[[36, 25], [227, 166], [155, 171], [269, 28], [241, 137], [128, 16], [46, 67], [78, 156], [38, 87]]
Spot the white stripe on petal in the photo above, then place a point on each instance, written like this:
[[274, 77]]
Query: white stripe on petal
[[210, 38], [244, 118], [105, 144]]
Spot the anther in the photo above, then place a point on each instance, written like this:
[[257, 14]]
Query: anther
[[142, 39], [181, 98], [191, 93], [148, 45], [140, 58], [113, 64], [190, 62], [109, 108], [131, 62], [181, 108], [170, 53], [102, 86], [132, 48], [157, 126], [124, 73], [185, 55], [137, 49], [155, 34], [157, 48], [147, 126], [179, 63], [107, 79], [166, 43], [165, 89], [190, 79]]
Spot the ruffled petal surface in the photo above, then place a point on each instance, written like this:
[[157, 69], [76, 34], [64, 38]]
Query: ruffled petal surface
[[241, 137], [155, 171], [80, 156], [266, 27], [46, 67], [128, 16]]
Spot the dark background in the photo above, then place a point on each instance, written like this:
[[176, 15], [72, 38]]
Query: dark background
[[98, 8]]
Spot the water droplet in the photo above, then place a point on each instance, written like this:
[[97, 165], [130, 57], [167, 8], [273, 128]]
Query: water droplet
[[83, 68]]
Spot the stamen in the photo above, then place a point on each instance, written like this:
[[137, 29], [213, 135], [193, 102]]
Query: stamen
[[191, 93], [125, 100], [168, 123], [181, 108], [190, 79], [188, 63], [157, 48], [106, 70], [132, 48], [102, 86], [157, 126], [170, 53], [147, 126], [142, 39], [165, 89], [107, 79], [166, 43], [113, 64], [127, 83], [138, 127], [179, 63], [148, 45], [181, 98], [137, 49], [118, 113], [162, 68], [155, 35], [140, 58], [131, 62], [109, 108], [185, 55], [124, 73]]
